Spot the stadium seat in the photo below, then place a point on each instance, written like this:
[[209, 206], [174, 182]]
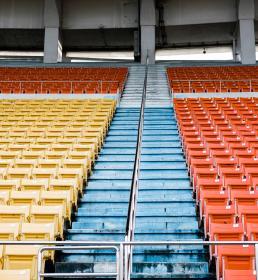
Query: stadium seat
[[9, 231], [230, 274], [14, 214], [48, 214], [22, 257], [33, 231], [24, 198], [20, 274]]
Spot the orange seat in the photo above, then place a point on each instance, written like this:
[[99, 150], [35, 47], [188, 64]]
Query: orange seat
[[234, 258], [230, 274]]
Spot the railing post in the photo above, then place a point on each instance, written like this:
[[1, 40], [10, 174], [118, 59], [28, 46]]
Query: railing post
[[39, 264], [121, 262]]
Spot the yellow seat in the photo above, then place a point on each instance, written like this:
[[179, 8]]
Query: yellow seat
[[22, 257], [89, 156], [18, 147], [71, 173], [10, 154], [43, 173], [21, 274], [25, 163], [61, 198], [4, 197], [24, 198], [32, 154], [84, 165], [55, 154], [9, 231], [14, 214], [8, 185], [49, 163], [86, 147], [38, 148], [35, 135], [5, 163], [34, 185], [32, 231], [44, 141], [65, 141], [61, 147], [18, 173], [65, 185], [24, 141], [48, 214]]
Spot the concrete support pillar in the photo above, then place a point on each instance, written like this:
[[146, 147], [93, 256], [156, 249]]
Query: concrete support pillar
[[246, 36], [52, 45], [148, 23], [52, 41]]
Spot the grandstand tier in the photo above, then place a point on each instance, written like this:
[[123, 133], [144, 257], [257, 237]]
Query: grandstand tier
[[62, 80], [219, 138], [213, 79], [47, 151]]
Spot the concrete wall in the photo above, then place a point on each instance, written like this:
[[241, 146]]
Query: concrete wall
[[22, 14], [183, 12], [85, 14]]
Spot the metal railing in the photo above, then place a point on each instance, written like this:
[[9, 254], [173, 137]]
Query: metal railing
[[130, 223], [70, 85], [121, 256], [220, 86]]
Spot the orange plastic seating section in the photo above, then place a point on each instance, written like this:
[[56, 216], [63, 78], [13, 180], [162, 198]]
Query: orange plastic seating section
[[62, 80], [213, 79], [219, 138]]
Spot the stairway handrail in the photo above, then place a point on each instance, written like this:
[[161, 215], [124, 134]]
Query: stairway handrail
[[130, 223]]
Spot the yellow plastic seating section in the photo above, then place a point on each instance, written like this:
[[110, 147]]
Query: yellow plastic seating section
[[47, 150]]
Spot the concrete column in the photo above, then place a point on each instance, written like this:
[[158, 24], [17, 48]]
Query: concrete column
[[148, 23], [52, 41], [52, 45], [246, 32]]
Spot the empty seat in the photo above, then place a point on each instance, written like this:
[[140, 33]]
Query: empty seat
[[14, 214], [21, 274], [231, 274], [8, 185], [61, 198], [22, 257], [66, 185], [34, 185], [32, 231], [48, 214], [9, 231], [24, 198]]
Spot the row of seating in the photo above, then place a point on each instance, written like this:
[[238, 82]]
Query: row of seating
[[61, 73], [62, 80], [213, 79], [220, 141], [47, 151]]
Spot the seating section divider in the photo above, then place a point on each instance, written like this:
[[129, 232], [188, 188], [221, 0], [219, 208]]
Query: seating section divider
[[47, 151], [220, 143]]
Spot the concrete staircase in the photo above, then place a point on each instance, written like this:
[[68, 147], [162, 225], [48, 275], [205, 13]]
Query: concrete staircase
[[102, 211], [132, 95], [157, 94], [165, 209]]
